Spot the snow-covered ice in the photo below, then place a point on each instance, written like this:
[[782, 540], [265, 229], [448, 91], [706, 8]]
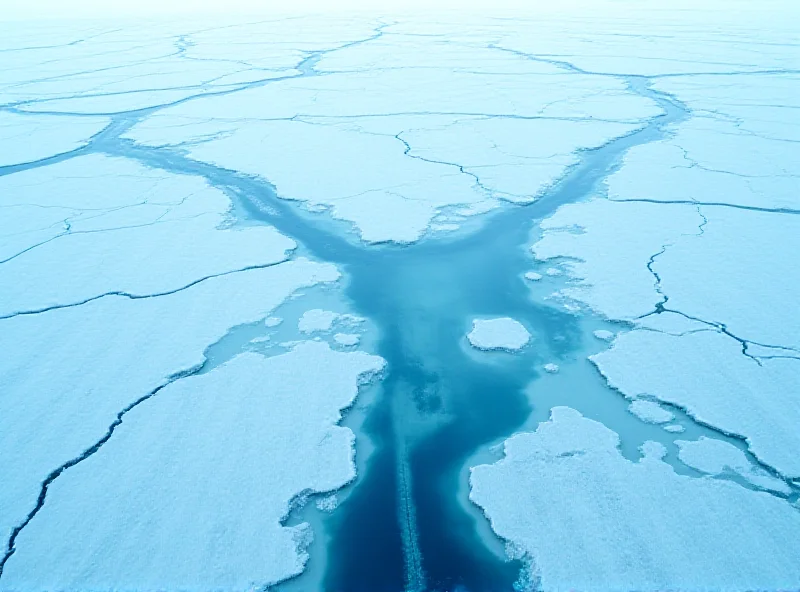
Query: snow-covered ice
[[502, 333], [533, 276], [715, 457], [346, 339], [612, 524], [650, 412], [603, 335], [706, 374], [317, 320], [675, 428], [27, 138], [194, 485], [551, 368]]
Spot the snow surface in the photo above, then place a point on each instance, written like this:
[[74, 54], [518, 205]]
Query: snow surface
[[317, 320], [715, 457], [706, 374], [66, 373], [231, 450], [346, 339], [503, 333], [613, 524], [28, 138], [650, 412], [152, 234]]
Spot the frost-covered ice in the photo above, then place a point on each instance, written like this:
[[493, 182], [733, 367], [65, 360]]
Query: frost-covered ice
[[317, 320], [612, 524], [551, 368], [66, 373], [346, 339], [650, 412], [503, 334], [27, 138], [715, 384], [603, 335], [715, 457], [194, 484], [533, 276]]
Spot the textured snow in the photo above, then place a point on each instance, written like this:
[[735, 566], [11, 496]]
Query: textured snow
[[27, 138], [346, 339], [317, 320], [650, 412], [716, 457], [612, 524], [503, 333], [66, 373], [230, 453], [716, 384], [603, 335], [155, 233]]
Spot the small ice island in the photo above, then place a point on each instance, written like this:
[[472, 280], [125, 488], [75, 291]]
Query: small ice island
[[498, 334]]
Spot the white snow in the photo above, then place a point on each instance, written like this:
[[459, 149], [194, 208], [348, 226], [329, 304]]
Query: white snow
[[675, 428], [503, 333], [66, 373], [152, 234], [707, 374], [603, 335], [716, 457], [612, 524], [650, 412], [346, 339], [27, 138], [533, 276], [194, 484], [317, 320], [273, 321]]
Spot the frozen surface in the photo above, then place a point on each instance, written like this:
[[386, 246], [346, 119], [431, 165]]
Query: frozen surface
[[613, 524], [67, 373], [650, 412], [27, 138], [717, 385], [346, 339], [503, 333], [603, 335], [533, 276], [551, 368], [317, 320], [233, 448], [715, 457], [153, 233]]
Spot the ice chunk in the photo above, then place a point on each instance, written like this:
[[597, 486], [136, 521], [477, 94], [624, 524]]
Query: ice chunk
[[553, 272], [612, 524], [533, 276], [650, 412], [603, 335], [317, 320], [346, 339], [191, 491], [502, 333], [551, 368], [675, 428], [715, 457], [273, 321]]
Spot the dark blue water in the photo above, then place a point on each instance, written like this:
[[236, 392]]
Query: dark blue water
[[401, 528]]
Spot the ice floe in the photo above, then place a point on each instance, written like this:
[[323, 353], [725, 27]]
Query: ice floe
[[650, 412], [498, 334], [317, 320], [613, 524], [191, 491], [346, 339]]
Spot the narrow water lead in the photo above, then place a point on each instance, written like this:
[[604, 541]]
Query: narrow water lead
[[402, 527]]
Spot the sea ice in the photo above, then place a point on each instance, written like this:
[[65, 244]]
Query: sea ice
[[191, 491], [273, 321], [533, 276], [347, 339], [716, 384], [503, 333], [714, 457], [612, 524], [650, 412], [66, 373], [675, 428], [603, 335], [317, 320], [551, 368]]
